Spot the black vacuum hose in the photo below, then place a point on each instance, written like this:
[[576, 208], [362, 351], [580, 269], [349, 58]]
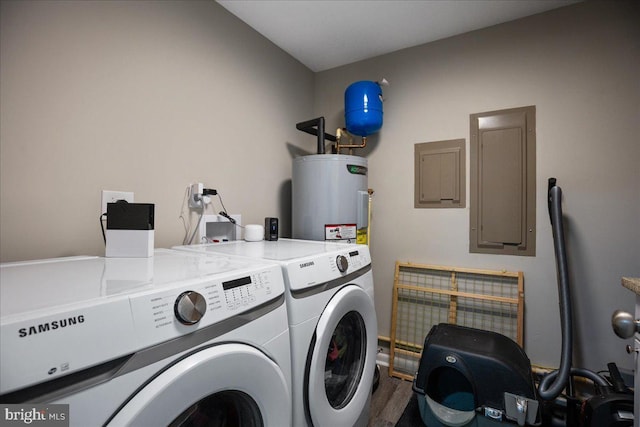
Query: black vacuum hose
[[576, 372], [561, 376]]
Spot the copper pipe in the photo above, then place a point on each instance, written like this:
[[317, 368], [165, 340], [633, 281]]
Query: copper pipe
[[350, 145]]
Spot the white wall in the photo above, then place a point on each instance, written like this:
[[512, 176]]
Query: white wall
[[579, 66], [143, 96]]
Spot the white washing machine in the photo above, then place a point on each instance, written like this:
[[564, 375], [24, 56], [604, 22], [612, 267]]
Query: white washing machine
[[332, 323], [175, 339]]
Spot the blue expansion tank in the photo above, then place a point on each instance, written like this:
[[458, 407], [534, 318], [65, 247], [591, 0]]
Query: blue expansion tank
[[363, 108]]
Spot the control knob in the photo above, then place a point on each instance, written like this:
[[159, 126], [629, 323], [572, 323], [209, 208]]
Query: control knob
[[189, 307], [342, 263]]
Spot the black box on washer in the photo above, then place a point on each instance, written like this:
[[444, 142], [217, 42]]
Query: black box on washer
[[270, 228]]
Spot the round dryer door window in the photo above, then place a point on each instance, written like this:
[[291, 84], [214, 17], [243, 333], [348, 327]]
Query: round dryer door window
[[342, 359], [345, 359]]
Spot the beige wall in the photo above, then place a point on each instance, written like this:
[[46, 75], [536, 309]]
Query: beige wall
[[143, 96], [580, 67]]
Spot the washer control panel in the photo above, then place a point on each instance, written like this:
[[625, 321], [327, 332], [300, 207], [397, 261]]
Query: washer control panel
[[189, 307], [164, 315], [244, 291], [342, 263]]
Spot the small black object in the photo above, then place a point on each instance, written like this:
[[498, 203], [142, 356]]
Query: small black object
[[610, 410], [130, 216], [376, 379], [226, 215], [270, 229], [616, 379]]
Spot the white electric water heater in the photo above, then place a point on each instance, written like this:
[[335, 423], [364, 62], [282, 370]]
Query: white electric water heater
[[330, 198]]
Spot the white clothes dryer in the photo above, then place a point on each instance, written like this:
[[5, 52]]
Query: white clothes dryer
[[174, 339], [332, 323]]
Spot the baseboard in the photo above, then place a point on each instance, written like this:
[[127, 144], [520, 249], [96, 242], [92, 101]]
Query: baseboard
[[382, 359]]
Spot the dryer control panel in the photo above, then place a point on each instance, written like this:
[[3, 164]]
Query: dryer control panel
[[318, 269]]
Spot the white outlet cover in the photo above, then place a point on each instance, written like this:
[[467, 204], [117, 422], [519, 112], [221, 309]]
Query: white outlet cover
[[109, 196]]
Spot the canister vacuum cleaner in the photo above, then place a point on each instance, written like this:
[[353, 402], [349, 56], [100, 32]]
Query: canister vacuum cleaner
[[472, 377], [612, 403]]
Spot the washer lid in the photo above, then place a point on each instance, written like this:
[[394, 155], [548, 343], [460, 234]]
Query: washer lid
[[306, 263], [46, 284], [278, 250]]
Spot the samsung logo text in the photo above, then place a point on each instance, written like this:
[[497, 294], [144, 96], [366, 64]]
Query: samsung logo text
[[50, 326]]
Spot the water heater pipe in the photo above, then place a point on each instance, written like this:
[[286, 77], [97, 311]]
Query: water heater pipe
[[351, 145], [370, 191], [316, 127]]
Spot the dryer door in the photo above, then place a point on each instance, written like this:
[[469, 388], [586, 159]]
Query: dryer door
[[342, 359], [223, 385]]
